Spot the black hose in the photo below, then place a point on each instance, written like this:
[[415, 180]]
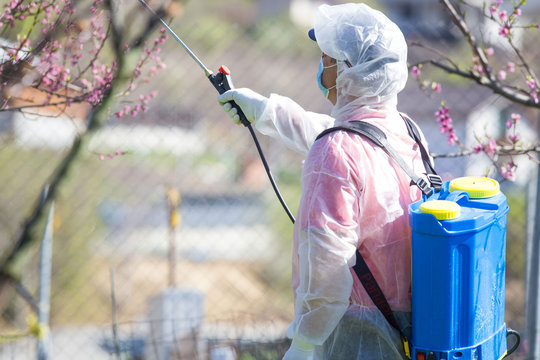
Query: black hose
[[518, 340], [269, 173]]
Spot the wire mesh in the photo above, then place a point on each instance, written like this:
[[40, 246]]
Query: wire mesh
[[231, 296]]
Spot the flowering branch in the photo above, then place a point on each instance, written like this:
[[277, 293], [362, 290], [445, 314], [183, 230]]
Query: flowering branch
[[98, 89], [483, 73], [502, 150]]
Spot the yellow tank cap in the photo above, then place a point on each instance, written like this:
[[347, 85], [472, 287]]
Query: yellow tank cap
[[477, 187], [441, 209]]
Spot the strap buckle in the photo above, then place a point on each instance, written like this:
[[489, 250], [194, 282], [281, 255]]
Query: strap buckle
[[436, 181], [406, 346], [424, 186]]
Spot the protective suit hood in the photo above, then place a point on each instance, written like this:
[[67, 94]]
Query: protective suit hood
[[376, 49]]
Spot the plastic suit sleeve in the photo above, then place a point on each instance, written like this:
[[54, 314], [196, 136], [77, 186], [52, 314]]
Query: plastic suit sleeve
[[327, 237], [299, 350], [287, 121]]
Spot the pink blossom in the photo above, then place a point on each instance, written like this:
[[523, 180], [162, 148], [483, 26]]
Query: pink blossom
[[112, 155], [452, 138], [534, 89], [445, 122], [504, 31], [490, 51], [511, 66], [508, 171], [491, 147], [514, 138], [415, 71], [503, 15], [501, 75], [515, 117], [532, 84]]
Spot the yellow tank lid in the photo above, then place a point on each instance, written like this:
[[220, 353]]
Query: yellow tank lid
[[441, 209], [477, 187]]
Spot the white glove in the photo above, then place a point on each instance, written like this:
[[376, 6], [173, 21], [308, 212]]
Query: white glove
[[251, 103], [299, 350]]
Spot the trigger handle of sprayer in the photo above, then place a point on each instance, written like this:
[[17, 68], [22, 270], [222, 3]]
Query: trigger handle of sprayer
[[222, 82]]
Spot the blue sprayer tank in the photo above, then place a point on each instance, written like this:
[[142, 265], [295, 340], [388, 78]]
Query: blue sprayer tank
[[458, 272]]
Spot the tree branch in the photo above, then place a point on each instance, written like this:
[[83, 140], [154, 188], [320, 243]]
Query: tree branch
[[502, 150], [508, 92], [95, 120], [464, 28]]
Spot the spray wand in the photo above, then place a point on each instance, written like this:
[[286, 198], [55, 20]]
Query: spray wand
[[222, 82]]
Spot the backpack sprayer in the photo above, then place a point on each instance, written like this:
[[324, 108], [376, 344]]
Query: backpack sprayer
[[458, 273], [458, 262], [458, 250], [222, 82]]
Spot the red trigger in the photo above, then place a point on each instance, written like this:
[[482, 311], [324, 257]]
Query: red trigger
[[225, 70]]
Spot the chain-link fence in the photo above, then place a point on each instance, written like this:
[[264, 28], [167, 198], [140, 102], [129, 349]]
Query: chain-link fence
[[190, 184]]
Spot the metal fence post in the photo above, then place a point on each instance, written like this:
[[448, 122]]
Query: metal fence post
[[533, 270], [173, 201], [44, 306]]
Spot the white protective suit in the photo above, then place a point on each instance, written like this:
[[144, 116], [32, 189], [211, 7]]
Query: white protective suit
[[353, 195]]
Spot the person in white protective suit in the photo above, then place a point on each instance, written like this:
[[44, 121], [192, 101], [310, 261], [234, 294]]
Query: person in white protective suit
[[353, 195]]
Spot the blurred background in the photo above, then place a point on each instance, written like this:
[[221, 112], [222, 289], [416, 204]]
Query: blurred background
[[178, 248]]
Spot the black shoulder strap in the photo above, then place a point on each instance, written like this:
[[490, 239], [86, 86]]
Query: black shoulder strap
[[378, 137], [434, 178], [375, 293]]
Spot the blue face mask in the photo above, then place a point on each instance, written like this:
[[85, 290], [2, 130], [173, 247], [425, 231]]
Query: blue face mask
[[324, 90]]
